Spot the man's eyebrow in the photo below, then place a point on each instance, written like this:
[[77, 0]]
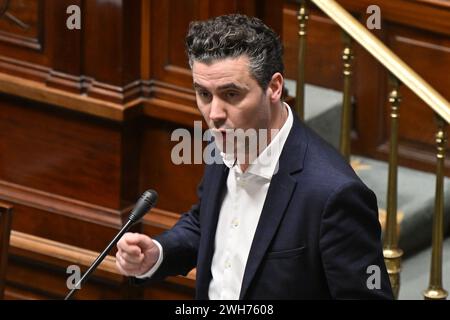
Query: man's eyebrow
[[230, 86], [197, 86], [222, 87]]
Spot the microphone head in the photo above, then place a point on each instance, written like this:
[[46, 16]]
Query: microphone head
[[145, 203], [151, 196]]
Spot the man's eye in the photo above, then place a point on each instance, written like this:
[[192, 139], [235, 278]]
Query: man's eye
[[232, 94], [204, 94]]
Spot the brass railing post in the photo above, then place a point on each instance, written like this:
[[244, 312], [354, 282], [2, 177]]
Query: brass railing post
[[392, 254], [302, 18], [435, 290], [347, 57]]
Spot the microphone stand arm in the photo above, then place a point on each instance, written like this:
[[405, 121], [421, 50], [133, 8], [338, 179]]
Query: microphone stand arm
[[100, 258]]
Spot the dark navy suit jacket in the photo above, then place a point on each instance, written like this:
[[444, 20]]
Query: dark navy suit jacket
[[317, 235]]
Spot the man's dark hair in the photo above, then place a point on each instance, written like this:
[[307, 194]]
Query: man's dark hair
[[231, 36]]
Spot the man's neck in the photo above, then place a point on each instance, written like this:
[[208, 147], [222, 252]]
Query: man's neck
[[279, 119]]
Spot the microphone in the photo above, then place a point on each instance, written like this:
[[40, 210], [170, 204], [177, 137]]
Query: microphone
[[144, 204]]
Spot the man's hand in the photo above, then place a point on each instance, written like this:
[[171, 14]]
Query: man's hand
[[137, 254]]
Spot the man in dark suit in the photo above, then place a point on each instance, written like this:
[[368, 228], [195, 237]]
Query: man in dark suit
[[290, 220]]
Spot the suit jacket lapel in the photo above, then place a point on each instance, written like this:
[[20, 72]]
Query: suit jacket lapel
[[278, 197], [211, 214]]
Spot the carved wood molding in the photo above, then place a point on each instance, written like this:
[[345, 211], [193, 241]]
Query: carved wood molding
[[62, 252], [61, 205], [13, 193], [162, 101], [53, 251], [36, 91], [23, 68], [94, 89], [21, 23]]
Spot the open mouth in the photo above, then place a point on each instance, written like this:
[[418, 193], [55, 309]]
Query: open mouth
[[224, 132]]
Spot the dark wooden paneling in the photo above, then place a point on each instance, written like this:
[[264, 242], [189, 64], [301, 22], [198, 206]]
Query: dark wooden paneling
[[430, 55], [176, 184], [112, 49], [131, 141], [323, 53], [63, 228], [25, 26], [24, 52], [47, 281], [66, 53], [102, 59], [47, 261], [5, 230], [370, 94], [86, 122], [60, 152], [169, 25]]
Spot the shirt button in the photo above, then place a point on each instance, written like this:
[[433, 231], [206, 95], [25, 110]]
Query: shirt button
[[235, 223]]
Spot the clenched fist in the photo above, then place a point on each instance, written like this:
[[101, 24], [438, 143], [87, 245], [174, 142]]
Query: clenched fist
[[137, 254]]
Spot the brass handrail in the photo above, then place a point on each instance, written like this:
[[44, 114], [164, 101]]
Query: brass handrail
[[386, 57]]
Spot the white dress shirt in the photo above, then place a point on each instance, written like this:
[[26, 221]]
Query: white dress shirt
[[239, 217]]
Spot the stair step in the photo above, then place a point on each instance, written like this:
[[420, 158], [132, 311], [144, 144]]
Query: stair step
[[415, 274], [415, 201], [323, 110]]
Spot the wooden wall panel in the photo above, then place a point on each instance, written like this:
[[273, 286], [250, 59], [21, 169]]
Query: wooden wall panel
[[176, 184], [112, 49], [169, 23], [23, 51], [5, 229], [180, 13], [60, 226], [323, 54], [102, 59], [66, 54], [48, 281], [431, 59], [60, 152], [22, 23], [86, 119]]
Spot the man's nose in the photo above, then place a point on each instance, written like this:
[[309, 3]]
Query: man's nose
[[217, 112]]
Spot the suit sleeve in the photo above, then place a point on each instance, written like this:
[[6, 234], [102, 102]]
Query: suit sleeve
[[350, 242], [180, 243]]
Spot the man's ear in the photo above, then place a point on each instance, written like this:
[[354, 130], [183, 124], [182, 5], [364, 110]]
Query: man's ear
[[275, 89]]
